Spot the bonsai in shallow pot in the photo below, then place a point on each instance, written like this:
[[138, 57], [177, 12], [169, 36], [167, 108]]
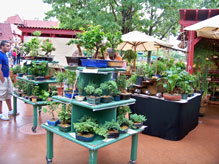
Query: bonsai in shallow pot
[[93, 94], [80, 87], [35, 93], [112, 128], [137, 120], [124, 124], [52, 106], [64, 116], [60, 77], [122, 84], [85, 131], [109, 88]]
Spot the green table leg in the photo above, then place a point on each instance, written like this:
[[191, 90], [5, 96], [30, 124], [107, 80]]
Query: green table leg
[[134, 149], [34, 118], [92, 156], [15, 105], [49, 154]]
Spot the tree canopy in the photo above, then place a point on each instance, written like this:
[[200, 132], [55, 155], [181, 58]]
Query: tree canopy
[[153, 17]]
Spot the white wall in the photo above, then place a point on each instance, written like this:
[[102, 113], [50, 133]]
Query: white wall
[[62, 49]]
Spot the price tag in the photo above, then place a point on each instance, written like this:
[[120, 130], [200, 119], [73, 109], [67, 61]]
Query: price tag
[[85, 70], [46, 124], [73, 135], [108, 140], [143, 127], [130, 131]]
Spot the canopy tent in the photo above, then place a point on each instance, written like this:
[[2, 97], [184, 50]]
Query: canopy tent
[[139, 41], [208, 28]]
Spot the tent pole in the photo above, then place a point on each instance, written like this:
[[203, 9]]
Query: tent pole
[[156, 62]]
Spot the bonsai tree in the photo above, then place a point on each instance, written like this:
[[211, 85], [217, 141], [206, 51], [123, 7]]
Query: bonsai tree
[[70, 77], [16, 69], [111, 126], [64, 116], [80, 87], [124, 122], [53, 90], [38, 69], [121, 83], [93, 93], [86, 117], [19, 85], [47, 47], [52, 106], [98, 92], [24, 69], [89, 89], [109, 87], [137, 120], [44, 95], [60, 77], [36, 90]]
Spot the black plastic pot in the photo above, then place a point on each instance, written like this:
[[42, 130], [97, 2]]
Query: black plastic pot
[[106, 99], [123, 131], [138, 125], [125, 96], [74, 61], [113, 135], [139, 80]]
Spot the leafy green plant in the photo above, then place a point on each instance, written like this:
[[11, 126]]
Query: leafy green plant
[[121, 82], [140, 70], [80, 87], [64, 116], [122, 120], [35, 90], [16, 69], [130, 56], [89, 89], [98, 92], [19, 84], [33, 46], [60, 77], [70, 77], [38, 69], [44, 95], [111, 125], [86, 117], [123, 110], [161, 67], [52, 106], [24, 69], [87, 126], [137, 118], [110, 87], [48, 47]]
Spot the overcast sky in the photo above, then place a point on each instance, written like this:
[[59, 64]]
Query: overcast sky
[[26, 9]]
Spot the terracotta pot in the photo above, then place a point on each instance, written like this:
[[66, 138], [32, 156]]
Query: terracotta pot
[[175, 97], [47, 77], [60, 91], [14, 76]]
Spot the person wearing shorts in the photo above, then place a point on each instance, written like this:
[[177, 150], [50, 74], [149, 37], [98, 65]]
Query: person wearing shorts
[[6, 87]]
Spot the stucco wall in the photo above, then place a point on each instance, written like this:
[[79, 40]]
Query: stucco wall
[[62, 49]]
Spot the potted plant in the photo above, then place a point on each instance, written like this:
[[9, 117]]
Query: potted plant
[[35, 93], [24, 70], [122, 84], [64, 116], [48, 47], [80, 87], [137, 120], [140, 74], [85, 131], [53, 90], [52, 106], [124, 124], [109, 87], [172, 78], [70, 78], [93, 94], [60, 77], [19, 85], [112, 128]]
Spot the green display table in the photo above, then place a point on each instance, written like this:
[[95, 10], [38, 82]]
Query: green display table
[[93, 146]]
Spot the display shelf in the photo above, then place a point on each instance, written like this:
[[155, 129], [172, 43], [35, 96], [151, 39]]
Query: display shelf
[[98, 107], [30, 102], [99, 70], [36, 82], [97, 143]]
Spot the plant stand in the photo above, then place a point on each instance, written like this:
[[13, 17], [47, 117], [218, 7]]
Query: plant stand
[[44, 85], [101, 112]]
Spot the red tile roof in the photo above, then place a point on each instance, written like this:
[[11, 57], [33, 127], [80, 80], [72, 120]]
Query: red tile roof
[[5, 31], [38, 23], [14, 20]]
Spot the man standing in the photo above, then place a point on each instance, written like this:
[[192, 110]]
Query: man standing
[[6, 87]]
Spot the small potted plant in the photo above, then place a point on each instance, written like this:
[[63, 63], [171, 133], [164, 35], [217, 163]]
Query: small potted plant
[[108, 88], [137, 120], [122, 84], [48, 47], [19, 85], [85, 131], [172, 78], [124, 124], [60, 77], [140, 74], [35, 93], [64, 116], [93, 94], [80, 87], [52, 106], [112, 128], [53, 90]]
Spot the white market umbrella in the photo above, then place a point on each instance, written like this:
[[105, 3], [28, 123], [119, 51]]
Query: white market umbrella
[[139, 41], [208, 28]]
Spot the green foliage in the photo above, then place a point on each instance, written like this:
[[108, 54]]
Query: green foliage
[[24, 69], [60, 77], [80, 87], [38, 69], [98, 92], [140, 70], [137, 118], [64, 116], [19, 84], [161, 67], [123, 110], [86, 117], [32, 47], [36, 33], [180, 65], [130, 56], [87, 126], [35, 90], [111, 125], [44, 95], [52, 106], [16, 69], [89, 89], [70, 77], [122, 120], [110, 87], [47, 46], [121, 82]]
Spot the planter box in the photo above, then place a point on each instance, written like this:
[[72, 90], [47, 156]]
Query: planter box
[[85, 139], [117, 98], [138, 125], [39, 78], [93, 100], [74, 61], [184, 96], [125, 96], [172, 97], [117, 64], [106, 99], [94, 63], [64, 128], [113, 135], [53, 123]]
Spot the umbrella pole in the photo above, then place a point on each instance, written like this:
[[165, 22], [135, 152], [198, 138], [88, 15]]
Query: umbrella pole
[[156, 63], [134, 64]]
